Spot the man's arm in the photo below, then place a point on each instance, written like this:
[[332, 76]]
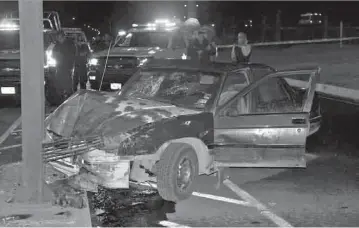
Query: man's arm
[[234, 54]]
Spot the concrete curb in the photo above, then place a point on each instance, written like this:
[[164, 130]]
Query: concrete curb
[[36, 214]]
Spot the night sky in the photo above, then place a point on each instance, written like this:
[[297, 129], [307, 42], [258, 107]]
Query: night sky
[[121, 14]]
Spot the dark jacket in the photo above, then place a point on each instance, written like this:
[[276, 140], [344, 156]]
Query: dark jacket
[[65, 53], [196, 46], [240, 57], [65, 56]]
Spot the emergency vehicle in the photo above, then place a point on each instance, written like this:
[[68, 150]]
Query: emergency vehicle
[[311, 19], [10, 74], [109, 69]]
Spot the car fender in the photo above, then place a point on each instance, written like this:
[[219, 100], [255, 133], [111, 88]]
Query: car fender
[[205, 159]]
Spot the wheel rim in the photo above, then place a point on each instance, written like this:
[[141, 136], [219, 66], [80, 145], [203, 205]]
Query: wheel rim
[[184, 174]]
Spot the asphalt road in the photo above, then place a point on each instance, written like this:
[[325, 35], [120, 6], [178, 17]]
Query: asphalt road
[[323, 194]]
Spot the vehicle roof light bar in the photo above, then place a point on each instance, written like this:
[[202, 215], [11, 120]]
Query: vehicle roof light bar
[[161, 24]]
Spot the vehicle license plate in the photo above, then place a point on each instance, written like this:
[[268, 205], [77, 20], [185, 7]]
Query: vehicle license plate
[[116, 86], [8, 90]]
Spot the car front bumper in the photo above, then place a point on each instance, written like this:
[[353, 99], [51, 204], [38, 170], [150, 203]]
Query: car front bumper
[[99, 168]]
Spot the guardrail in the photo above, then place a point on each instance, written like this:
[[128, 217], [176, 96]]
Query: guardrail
[[295, 42]]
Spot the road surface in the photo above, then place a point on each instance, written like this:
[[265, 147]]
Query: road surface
[[324, 194]]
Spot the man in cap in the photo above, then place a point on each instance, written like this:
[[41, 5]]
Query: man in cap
[[210, 36], [241, 51], [80, 76], [191, 27]]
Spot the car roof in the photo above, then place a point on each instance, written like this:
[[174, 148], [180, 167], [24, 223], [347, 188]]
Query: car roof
[[218, 67]]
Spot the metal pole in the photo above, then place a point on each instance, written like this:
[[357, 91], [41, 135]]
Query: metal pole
[[325, 27], [341, 33], [264, 25], [32, 98], [278, 26]]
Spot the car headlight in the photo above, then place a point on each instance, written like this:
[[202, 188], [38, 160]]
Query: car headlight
[[93, 62], [50, 61], [142, 61]]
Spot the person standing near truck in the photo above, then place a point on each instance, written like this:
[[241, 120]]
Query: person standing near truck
[[61, 83], [80, 76], [241, 51]]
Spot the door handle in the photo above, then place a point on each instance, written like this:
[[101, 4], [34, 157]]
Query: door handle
[[299, 121]]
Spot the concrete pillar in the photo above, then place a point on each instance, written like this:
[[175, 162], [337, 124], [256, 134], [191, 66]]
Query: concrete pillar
[[32, 98], [192, 9]]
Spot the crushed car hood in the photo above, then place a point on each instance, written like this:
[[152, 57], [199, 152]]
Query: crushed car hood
[[130, 52], [89, 113]]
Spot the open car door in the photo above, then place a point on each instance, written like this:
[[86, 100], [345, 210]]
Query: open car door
[[263, 126]]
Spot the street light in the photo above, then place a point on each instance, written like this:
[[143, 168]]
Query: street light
[[185, 5], [197, 5], [74, 18]]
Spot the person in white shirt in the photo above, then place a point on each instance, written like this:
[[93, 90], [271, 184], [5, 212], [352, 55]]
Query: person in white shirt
[[241, 51]]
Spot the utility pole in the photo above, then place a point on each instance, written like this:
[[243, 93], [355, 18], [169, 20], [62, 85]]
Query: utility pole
[[32, 99], [192, 9], [325, 25], [264, 27], [278, 25]]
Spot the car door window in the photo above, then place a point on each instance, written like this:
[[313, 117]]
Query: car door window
[[234, 83], [267, 97], [271, 97]]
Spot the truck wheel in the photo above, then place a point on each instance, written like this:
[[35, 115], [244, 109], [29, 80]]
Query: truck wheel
[[177, 171]]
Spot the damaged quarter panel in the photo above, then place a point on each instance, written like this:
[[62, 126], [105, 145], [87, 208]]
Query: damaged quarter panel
[[148, 138]]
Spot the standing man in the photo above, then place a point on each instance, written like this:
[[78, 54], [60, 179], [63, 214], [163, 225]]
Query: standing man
[[191, 28], [241, 52], [64, 53], [80, 76], [210, 36]]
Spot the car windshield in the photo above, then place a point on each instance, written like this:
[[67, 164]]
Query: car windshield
[[189, 89], [9, 40], [146, 39]]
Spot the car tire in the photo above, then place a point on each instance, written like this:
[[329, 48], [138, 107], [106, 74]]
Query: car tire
[[167, 171]]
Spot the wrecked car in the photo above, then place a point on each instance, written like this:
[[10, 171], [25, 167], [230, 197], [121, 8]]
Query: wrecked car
[[175, 120]]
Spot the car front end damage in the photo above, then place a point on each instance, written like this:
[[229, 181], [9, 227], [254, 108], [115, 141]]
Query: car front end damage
[[126, 136]]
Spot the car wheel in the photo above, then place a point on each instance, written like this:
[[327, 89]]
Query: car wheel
[[177, 171]]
